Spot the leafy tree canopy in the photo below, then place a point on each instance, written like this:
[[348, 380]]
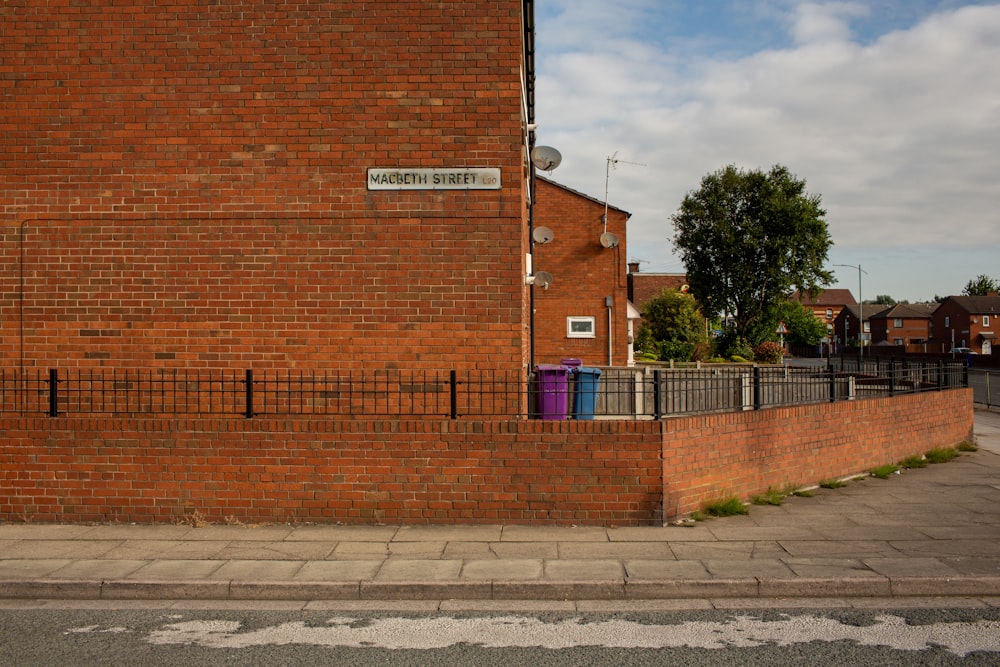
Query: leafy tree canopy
[[980, 286], [884, 300], [747, 240], [804, 328], [673, 327]]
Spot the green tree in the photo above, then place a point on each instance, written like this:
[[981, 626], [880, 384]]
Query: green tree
[[804, 328], [674, 321], [747, 240], [884, 300], [982, 285]]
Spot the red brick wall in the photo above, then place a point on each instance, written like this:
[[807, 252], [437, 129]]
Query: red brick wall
[[326, 471], [709, 458], [518, 472], [585, 273], [185, 184]]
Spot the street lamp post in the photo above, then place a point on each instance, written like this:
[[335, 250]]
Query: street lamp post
[[861, 310]]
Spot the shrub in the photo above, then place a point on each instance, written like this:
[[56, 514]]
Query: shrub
[[768, 352]]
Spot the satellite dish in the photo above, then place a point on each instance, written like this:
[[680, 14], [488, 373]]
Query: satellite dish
[[609, 240], [542, 235], [543, 279], [545, 158]]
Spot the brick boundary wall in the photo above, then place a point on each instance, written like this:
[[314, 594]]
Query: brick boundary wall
[[431, 472], [710, 458]]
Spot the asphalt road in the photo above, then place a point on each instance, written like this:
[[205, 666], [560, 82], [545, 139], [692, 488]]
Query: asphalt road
[[954, 636]]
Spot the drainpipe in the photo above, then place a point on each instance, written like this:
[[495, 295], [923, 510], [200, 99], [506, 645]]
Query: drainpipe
[[609, 302]]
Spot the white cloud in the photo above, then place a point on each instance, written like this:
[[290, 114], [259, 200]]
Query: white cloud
[[898, 135]]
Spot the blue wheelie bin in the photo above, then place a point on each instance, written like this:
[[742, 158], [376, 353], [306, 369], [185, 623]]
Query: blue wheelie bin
[[588, 381]]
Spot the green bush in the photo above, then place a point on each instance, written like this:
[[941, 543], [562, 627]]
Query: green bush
[[768, 352]]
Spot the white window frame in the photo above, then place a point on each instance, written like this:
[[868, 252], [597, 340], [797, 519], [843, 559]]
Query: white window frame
[[573, 329], [986, 320]]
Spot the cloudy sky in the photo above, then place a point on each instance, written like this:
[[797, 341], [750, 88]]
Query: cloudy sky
[[889, 109]]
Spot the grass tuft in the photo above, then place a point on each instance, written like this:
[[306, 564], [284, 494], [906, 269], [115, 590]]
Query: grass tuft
[[728, 507], [967, 446], [914, 462], [832, 484], [883, 472], [941, 454]]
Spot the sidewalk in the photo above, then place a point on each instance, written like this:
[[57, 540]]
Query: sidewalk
[[926, 532]]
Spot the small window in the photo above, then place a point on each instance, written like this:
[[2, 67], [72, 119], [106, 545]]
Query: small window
[[986, 320], [580, 327], [829, 313], [947, 321], [897, 323]]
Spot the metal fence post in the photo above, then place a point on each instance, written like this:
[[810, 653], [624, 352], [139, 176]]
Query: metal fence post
[[657, 411], [453, 381], [833, 383], [53, 392], [756, 388], [892, 376], [248, 390]]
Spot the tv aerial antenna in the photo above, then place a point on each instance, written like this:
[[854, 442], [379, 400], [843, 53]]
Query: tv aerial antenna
[[609, 240]]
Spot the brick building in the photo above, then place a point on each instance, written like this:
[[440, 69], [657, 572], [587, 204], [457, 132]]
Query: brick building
[[203, 184], [588, 297], [967, 321]]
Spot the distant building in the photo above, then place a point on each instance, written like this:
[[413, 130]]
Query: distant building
[[967, 321]]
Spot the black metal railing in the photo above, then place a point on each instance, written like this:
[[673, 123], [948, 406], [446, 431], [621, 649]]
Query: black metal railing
[[617, 393]]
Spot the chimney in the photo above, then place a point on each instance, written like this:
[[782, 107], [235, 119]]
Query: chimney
[[633, 267]]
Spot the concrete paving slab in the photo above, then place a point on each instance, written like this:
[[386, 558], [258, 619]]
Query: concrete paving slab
[[31, 568], [830, 568], [281, 550], [736, 569], [727, 550], [343, 533], [910, 567], [725, 532], [606, 550], [360, 550], [656, 533], [176, 570], [553, 534], [506, 570], [500, 550], [934, 548], [257, 570], [418, 550], [42, 531], [138, 532], [419, 570], [56, 549], [648, 570], [164, 549], [835, 548], [448, 533], [338, 570], [98, 570], [247, 533], [584, 570], [974, 566]]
